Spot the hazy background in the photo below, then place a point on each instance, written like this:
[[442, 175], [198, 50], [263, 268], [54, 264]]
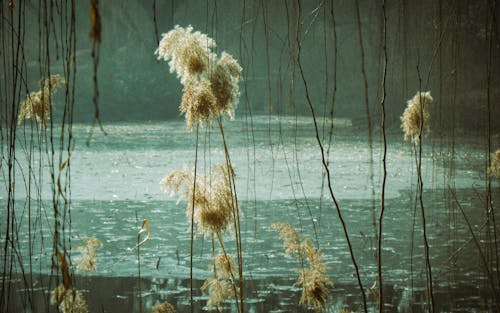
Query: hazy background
[[450, 48], [441, 46]]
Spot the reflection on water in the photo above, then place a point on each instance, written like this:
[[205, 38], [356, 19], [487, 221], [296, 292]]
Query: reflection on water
[[120, 294], [115, 187], [165, 258]]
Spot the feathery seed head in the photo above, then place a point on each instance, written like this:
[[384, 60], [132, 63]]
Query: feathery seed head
[[416, 116], [210, 199], [39, 104], [494, 169], [218, 291], [164, 307], [210, 83], [68, 300]]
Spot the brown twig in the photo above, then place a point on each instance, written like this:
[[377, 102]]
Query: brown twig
[[326, 168]]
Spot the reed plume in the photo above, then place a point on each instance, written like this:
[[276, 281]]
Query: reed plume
[[164, 307], [313, 280], [87, 261], [210, 91], [68, 300], [416, 116], [224, 266], [210, 83], [494, 169], [211, 201], [198, 102], [38, 104], [219, 290], [224, 82], [188, 53], [222, 286]]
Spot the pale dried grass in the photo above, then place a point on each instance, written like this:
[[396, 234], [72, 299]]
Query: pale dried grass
[[416, 117], [68, 300], [210, 83], [312, 279], [494, 169], [87, 261], [210, 198], [164, 307], [38, 104]]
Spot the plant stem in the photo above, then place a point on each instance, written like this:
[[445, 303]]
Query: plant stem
[[139, 272], [384, 164], [192, 224], [478, 245], [236, 211]]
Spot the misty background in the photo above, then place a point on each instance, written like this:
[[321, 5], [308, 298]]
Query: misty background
[[52, 181], [447, 47]]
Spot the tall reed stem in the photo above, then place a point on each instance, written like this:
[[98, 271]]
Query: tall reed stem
[[236, 212], [191, 245], [139, 284]]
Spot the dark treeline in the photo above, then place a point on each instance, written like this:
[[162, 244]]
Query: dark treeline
[[441, 46]]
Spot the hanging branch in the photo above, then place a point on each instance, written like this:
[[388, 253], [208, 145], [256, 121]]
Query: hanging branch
[[332, 105], [420, 190], [489, 197], [324, 162], [155, 23], [384, 163], [9, 246], [95, 37], [368, 115], [478, 246]]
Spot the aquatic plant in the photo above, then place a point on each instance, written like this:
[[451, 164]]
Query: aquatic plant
[[164, 307], [222, 286], [87, 261], [210, 204], [210, 91], [143, 230], [38, 104], [416, 117], [415, 123], [313, 280], [210, 83], [219, 290], [188, 53], [224, 266], [209, 198], [68, 300], [494, 169]]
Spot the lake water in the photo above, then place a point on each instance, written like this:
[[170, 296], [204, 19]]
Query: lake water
[[115, 186]]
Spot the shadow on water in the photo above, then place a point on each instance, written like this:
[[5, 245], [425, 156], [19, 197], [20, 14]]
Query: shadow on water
[[119, 294]]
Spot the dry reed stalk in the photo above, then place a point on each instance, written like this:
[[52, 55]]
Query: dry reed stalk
[[494, 168], [68, 300], [312, 279], [416, 117], [210, 91], [87, 261], [164, 307], [38, 104]]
